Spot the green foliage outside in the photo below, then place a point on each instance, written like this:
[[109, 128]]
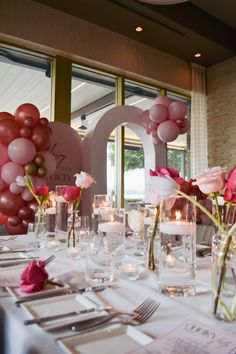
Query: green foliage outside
[[133, 158]]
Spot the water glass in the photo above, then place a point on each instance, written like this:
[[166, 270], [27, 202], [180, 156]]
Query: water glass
[[99, 268], [84, 234]]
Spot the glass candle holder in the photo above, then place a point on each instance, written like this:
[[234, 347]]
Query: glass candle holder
[[62, 215], [111, 227], [176, 258], [101, 202]]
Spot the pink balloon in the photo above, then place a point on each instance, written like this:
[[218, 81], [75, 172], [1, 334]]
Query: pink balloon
[[15, 189], [164, 100], [26, 195], [168, 131], [177, 110], [41, 137], [3, 154], [10, 171], [148, 131], [153, 125], [158, 113], [144, 118], [21, 150], [183, 125], [6, 115], [27, 110], [49, 162]]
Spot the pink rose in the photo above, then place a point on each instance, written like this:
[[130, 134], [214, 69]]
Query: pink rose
[[34, 277], [230, 187], [211, 180], [41, 191], [83, 180], [71, 193]]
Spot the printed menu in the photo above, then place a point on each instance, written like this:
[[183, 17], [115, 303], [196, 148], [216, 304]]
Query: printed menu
[[191, 338]]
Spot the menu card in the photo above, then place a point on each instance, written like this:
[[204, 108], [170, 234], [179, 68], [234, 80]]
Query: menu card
[[191, 337]]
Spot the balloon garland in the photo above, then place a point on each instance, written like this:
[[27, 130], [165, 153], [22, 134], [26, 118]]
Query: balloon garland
[[25, 139], [165, 120]]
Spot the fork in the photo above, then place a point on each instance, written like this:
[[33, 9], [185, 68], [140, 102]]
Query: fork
[[49, 260], [139, 315]]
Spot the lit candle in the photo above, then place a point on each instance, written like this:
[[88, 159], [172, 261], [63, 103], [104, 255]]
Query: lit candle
[[73, 252], [177, 227], [111, 226], [170, 260], [130, 271]]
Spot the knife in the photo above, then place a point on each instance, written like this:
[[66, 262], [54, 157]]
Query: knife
[[16, 259], [39, 320], [12, 264], [59, 292]]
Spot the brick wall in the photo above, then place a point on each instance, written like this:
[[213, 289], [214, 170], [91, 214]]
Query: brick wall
[[221, 113]]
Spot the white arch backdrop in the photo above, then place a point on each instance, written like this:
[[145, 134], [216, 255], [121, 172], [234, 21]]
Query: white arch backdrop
[[94, 149]]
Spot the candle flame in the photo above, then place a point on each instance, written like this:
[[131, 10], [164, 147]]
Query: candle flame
[[178, 215]]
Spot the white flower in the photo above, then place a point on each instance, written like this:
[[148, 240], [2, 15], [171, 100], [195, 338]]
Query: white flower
[[83, 180], [135, 220], [21, 181], [162, 188]]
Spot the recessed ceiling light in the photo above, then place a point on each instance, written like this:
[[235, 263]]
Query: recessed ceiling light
[[138, 29], [197, 55]]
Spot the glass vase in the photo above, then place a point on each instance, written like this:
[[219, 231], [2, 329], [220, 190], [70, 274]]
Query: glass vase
[[73, 229], [176, 258], [40, 226], [152, 239], [224, 276]]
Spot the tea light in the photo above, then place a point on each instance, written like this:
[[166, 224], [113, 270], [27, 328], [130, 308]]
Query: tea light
[[73, 252], [130, 271], [111, 226], [170, 260], [177, 227], [53, 244]]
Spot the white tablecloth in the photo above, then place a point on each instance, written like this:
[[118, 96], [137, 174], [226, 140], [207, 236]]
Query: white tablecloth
[[19, 339]]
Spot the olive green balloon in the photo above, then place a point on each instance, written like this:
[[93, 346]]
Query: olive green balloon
[[42, 171], [39, 160], [30, 168]]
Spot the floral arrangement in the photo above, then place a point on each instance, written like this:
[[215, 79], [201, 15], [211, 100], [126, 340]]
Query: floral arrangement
[[35, 277], [73, 195], [166, 183], [40, 193]]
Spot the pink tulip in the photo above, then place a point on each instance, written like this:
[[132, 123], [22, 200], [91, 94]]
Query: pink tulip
[[230, 187], [211, 180]]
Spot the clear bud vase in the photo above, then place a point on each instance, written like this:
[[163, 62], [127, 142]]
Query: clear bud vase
[[40, 226], [224, 276], [73, 229], [151, 244]]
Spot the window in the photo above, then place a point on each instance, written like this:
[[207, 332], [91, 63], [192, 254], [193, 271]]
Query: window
[[24, 78]]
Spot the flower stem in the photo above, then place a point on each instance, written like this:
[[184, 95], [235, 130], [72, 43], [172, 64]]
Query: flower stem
[[215, 195], [151, 258], [222, 273]]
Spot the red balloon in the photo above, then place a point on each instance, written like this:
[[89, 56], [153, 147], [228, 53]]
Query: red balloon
[[3, 219], [10, 203], [6, 115], [44, 121], [41, 137], [29, 122], [16, 230], [9, 130], [27, 110], [25, 213], [33, 205], [25, 132], [14, 220]]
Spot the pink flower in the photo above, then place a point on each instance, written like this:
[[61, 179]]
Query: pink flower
[[165, 171], [162, 187], [230, 187], [211, 180], [34, 277], [41, 191], [83, 180], [71, 193]]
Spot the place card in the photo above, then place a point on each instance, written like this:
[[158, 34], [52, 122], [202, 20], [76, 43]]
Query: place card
[[191, 337]]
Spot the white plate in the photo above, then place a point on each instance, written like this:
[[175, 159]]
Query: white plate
[[61, 304], [115, 340], [49, 289]]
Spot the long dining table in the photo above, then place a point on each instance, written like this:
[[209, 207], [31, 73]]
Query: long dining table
[[16, 338]]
